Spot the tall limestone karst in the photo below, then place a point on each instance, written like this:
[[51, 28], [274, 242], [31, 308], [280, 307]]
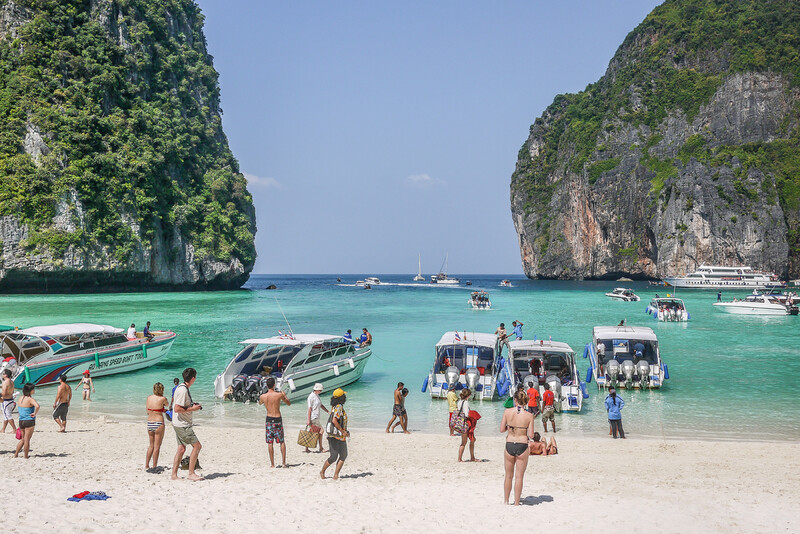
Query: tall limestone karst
[[686, 151], [114, 169]]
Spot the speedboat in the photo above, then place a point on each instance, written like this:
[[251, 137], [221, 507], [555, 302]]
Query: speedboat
[[40, 354], [536, 363], [480, 300], [369, 281], [625, 355], [757, 304], [621, 293], [465, 360], [296, 361], [506, 283], [668, 309], [720, 277]]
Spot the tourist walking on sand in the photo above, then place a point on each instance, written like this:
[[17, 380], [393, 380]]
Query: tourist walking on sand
[[61, 404], [183, 408], [398, 410], [88, 385], [469, 434], [28, 408], [518, 422], [548, 407], [274, 423], [337, 434], [156, 405], [312, 419], [614, 405], [518, 329], [452, 400], [403, 418], [8, 400]]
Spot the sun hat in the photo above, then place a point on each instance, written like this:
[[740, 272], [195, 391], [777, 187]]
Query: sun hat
[[317, 387], [339, 392], [86, 372]]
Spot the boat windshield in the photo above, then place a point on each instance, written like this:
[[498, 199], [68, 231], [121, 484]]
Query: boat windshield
[[22, 347], [464, 356], [628, 349]]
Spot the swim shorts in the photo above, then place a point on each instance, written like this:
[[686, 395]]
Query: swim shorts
[[548, 413], [61, 411], [8, 409], [185, 435], [274, 429], [398, 410], [534, 410]]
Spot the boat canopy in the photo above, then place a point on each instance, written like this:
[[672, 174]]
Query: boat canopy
[[624, 332], [543, 345], [74, 329], [470, 338], [297, 339]]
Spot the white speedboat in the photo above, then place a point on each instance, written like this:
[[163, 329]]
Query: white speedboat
[[506, 283], [419, 277], [719, 277], [624, 294], [369, 281], [626, 356], [756, 304], [466, 360], [441, 277], [536, 363], [479, 300], [296, 361], [41, 354], [668, 309]]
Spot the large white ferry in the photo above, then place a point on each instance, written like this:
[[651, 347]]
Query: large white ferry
[[718, 277]]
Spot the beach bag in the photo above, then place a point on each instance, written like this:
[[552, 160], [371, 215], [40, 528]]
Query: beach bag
[[331, 429], [459, 421], [19, 433], [307, 439]]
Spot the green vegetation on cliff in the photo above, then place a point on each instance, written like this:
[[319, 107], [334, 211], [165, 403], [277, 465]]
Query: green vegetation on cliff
[[122, 102]]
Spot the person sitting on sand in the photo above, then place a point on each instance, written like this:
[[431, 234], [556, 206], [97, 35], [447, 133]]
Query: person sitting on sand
[[403, 418], [537, 447], [88, 385], [274, 423], [551, 448], [61, 404], [518, 422], [27, 408], [156, 406], [337, 434]]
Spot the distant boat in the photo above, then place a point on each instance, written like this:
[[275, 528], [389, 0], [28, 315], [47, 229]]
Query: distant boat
[[441, 277], [419, 277], [720, 277], [621, 293], [369, 281], [506, 283]]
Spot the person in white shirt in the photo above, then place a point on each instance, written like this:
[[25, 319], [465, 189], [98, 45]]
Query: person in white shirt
[[312, 420], [182, 407], [132, 332]]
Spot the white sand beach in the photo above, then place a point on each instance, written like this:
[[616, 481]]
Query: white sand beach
[[394, 483]]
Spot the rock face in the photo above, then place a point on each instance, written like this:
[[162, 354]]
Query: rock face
[[115, 173], [685, 152]]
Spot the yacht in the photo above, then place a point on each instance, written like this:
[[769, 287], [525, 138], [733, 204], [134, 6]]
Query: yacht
[[668, 309], [419, 277], [479, 300], [441, 277], [719, 277], [757, 304], [621, 293], [536, 363], [469, 360], [296, 361], [369, 281], [41, 354], [625, 356]]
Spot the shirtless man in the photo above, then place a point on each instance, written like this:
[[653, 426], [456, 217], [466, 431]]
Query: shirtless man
[[61, 404], [8, 401], [274, 425], [399, 409], [538, 448]]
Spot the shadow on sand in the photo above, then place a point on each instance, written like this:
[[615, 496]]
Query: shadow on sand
[[212, 476], [357, 475]]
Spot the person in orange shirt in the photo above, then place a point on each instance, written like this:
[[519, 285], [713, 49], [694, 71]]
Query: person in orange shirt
[[548, 407], [533, 400]]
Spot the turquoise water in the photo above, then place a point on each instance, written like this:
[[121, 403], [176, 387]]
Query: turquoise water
[[732, 377]]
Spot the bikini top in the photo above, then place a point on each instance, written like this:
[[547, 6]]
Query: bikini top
[[161, 410]]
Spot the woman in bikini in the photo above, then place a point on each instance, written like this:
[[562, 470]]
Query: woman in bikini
[[157, 404], [88, 385], [518, 422]]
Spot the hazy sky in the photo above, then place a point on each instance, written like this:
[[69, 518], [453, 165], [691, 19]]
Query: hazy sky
[[374, 131]]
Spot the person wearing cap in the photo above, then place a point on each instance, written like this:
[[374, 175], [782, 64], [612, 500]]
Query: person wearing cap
[[337, 434], [312, 418], [613, 406], [87, 384]]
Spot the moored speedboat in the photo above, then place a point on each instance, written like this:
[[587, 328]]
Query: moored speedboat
[[296, 361], [756, 304], [536, 363], [624, 294], [480, 300], [625, 355], [41, 354], [467, 360], [668, 309]]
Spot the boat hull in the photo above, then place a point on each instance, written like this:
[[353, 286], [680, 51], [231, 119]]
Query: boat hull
[[747, 309], [337, 374]]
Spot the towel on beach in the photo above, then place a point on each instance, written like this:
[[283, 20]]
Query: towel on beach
[[89, 496]]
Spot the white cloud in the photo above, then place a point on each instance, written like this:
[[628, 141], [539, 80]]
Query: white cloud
[[422, 181], [266, 183]]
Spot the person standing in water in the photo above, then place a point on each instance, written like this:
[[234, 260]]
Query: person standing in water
[[273, 425], [88, 385], [614, 405]]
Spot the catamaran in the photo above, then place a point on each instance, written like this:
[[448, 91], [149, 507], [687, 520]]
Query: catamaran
[[41, 354], [470, 360], [719, 277], [625, 355], [441, 277]]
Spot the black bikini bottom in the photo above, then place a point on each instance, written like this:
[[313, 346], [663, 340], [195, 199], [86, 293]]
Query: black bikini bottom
[[516, 449]]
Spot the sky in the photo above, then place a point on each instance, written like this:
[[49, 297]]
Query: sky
[[374, 132]]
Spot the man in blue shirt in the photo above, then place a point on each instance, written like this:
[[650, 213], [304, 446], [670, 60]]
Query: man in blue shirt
[[348, 336], [517, 329], [614, 405], [146, 332]]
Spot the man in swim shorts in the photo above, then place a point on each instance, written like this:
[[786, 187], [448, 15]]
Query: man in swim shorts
[[399, 409], [548, 408], [8, 401], [274, 424], [183, 407], [61, 404]]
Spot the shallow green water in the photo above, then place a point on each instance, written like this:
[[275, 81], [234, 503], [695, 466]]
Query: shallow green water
[[731, 376]]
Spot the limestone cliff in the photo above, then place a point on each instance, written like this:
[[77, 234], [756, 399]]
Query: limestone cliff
[[115, 173], [684, 152]]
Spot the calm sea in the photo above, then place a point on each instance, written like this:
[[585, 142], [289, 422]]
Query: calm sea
[[732, 377]]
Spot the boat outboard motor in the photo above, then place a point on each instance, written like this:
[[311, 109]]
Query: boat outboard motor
[[555, 386], [238, 384], [531, 381], [472, 376], [612, 371], [628, 368], [9, 363], [643, 370], [451, 375], [252, 387], [263, 384]]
